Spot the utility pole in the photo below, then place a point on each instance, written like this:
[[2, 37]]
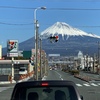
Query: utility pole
[[36, 64], [12, 74], [36, 40], [40, 58], [94, 61], [87, 61], [98, 56]]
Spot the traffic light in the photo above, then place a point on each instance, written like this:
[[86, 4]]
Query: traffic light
[[31, 61], [57, 38], [54, 38]]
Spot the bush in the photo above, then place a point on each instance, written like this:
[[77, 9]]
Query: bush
[[65, 70], [74, 72]]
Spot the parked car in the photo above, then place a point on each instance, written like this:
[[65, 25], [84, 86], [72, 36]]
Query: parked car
[[22, 70]]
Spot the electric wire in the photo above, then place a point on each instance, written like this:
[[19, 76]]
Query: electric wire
[[15, 24], [14, 7]]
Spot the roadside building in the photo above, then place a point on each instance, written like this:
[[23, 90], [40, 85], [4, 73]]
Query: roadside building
[[80, 56], [6, 68], [0, 51]]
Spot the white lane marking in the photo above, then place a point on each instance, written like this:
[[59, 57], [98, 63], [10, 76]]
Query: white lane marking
[[59, 76], [98, 83], [86, 84], [79, 85], [44, 78], [4, 88], [94, 84], [62, 79]]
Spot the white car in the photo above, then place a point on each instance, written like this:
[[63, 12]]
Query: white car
[[22, 70]]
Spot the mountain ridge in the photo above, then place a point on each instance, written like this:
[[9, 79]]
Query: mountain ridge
[[68, 44], [65, 30]]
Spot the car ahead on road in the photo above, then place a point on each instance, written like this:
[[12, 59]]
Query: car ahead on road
[[45, 90]]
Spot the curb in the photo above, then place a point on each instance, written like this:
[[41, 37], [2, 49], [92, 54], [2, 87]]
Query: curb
[[87, 79], [7, 82], [82, 78]]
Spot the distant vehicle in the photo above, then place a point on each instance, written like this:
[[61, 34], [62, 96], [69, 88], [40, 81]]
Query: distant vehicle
[[46, 90], [50, 68], [22, 70]]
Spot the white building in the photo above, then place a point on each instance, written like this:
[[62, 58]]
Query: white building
[[86, 60], [81, 57], [0, 51]]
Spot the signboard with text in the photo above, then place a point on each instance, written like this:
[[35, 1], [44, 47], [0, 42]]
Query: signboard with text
[[12, 48], [56, 55]]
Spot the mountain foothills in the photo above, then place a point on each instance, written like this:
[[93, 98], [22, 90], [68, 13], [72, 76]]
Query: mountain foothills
[[71, 41]]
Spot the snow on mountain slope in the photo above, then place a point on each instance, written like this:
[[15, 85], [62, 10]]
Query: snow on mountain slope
[[65, 30]]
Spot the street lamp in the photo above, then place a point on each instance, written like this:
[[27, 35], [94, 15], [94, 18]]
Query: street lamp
[[36, 40], [43, 8]]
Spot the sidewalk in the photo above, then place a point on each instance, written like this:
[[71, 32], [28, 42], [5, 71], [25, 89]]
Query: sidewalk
[[88, 76], [13, 81], [26, 79]]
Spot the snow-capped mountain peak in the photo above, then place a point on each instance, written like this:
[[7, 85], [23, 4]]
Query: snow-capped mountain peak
[[61, 28]]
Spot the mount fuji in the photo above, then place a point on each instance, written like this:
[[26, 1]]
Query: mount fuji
[[61, 28], [71, 41]]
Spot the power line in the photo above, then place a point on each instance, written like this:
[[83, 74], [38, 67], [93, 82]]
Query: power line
[[48, 24], [73, 9], [14, 7], [15, 24], [84, 26], [89, 26]]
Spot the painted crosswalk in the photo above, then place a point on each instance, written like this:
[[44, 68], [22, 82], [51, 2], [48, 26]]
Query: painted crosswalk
[[5, 88], [77, 84], [88, 84]]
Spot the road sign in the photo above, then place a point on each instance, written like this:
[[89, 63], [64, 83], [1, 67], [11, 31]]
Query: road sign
[[12, 48]]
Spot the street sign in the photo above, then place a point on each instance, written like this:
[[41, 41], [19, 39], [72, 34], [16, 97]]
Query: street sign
[[12, 48]]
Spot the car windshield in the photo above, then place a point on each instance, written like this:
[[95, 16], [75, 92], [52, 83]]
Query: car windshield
[[42, 40]]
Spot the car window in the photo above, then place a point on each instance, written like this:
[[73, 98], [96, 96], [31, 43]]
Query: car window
[[46, 93]]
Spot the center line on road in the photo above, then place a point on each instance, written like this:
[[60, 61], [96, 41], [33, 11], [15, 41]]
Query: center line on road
[[59, 76], [62, 79]]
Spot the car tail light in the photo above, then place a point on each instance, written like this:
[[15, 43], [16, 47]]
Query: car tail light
[[45, 84]]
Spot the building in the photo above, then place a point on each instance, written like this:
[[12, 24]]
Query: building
[[0, 51], [80, 56]]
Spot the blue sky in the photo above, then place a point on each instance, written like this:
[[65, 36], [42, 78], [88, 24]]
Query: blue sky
[[17, 17]]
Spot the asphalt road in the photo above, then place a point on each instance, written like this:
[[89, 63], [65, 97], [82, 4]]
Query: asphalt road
[[90, 91]]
